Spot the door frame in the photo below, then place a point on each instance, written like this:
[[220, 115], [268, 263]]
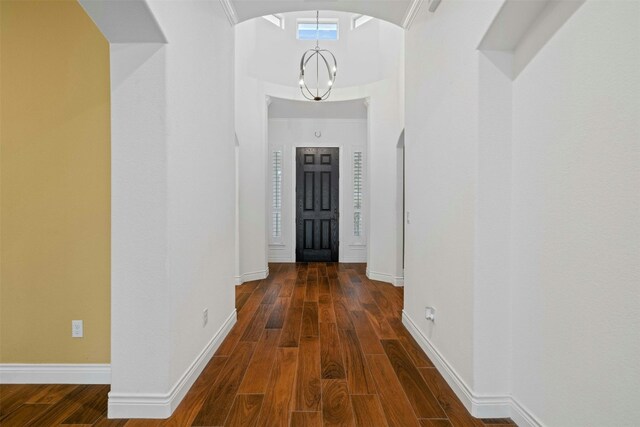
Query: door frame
[[292, 192]]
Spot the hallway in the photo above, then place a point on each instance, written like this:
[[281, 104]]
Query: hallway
[[316, 344]]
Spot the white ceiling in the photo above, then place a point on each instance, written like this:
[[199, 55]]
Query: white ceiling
[[398, 12], [287, 109]]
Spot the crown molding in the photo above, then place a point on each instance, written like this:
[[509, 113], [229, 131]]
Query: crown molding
[[232, 16], [412, 12]]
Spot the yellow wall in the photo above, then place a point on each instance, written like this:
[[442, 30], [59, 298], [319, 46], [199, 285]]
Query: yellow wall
[[54, 183]]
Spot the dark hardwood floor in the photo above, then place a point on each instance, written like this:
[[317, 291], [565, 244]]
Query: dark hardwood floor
[[315, 344]]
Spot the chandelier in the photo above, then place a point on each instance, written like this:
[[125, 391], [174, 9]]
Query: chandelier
[[323, 58]]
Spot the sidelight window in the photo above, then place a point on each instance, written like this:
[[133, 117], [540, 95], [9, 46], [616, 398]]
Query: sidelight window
[[358, 183], [276, 191]]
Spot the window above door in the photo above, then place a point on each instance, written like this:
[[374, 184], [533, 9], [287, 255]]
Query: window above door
[[307, 29]]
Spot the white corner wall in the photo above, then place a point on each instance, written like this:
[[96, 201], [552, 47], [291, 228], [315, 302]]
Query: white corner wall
[[173, 202], [442, 165], [262, 70], [576, 222], [522, 190]]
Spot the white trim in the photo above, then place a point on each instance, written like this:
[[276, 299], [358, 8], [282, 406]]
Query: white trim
[[230, 11], [359, 20], [162, 405], [280, 253], [479, 406], [254, 275], [312, 120], [354, 260], [523, 416], [281, 259], [384, 277], [55, 373], [275, 19], [412, 12], [354, 253]]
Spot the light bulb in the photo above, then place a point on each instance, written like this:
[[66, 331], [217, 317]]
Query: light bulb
[[330, 83], [301, 82]]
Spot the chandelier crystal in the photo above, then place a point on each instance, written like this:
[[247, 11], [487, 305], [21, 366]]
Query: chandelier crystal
[[323, 59]]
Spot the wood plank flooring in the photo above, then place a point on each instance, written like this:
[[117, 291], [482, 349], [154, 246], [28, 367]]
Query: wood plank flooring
[[315, 344]]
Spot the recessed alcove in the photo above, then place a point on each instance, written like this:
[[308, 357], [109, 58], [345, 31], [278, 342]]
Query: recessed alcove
[[521, 29]]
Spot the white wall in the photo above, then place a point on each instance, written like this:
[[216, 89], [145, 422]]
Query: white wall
[[265, 56], [349, 135], [522, 182], [441, 147], [576, 222], [173, 198], [140, 356], [201, 173]]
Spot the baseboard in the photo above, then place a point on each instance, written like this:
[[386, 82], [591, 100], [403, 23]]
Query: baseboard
[[157, 405], [479, 406], [255, 275], [281, 259], [523, 416], [460, 388], [55, 373], [384, 277], [354, 259]]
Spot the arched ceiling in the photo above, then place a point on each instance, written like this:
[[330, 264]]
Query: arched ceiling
[[399, 12]]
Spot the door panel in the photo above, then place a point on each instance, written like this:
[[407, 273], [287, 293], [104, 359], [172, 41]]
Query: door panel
[[317, 210]]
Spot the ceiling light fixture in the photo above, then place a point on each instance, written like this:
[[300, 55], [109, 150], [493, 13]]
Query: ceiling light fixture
[[323, 58]]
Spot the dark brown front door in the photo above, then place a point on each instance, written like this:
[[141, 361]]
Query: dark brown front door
[[317, 204]]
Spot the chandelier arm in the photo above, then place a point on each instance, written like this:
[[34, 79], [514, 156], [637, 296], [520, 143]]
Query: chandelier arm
[[330, 74], [306, 97], [328, 66], [310, 94], [335, 61], [315, 52], [303, 63]]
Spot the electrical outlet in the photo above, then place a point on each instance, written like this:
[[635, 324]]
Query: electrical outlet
[[430, 313], [205, 317], [77, 329]]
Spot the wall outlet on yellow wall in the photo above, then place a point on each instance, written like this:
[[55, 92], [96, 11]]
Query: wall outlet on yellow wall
[[77, 329]]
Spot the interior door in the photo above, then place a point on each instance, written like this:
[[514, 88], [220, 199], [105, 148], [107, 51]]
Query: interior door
[[317, 211]]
